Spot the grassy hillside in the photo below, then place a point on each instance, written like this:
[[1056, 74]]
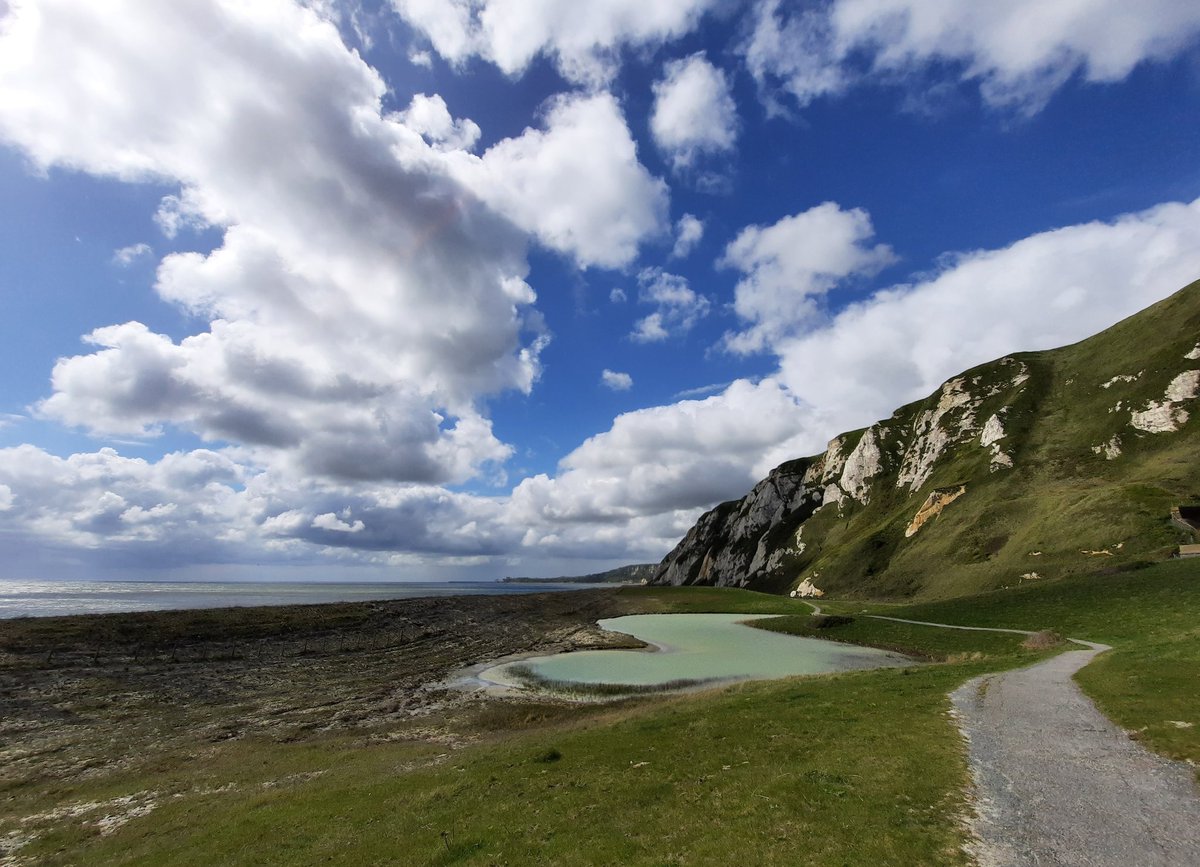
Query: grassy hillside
[[1058, 480]]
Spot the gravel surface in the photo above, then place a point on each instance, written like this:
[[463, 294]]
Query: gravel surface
[[1058, 783]]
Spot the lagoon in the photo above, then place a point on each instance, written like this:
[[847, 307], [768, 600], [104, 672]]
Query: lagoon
[[707, 648]]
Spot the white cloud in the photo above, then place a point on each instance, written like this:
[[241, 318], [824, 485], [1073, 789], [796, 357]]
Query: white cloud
[[617, 295], [330, 521], [1047, 290], [643, 482], [789, 265], [694, 113], [534, 179], [795, 50], [193, 508], [126, 256], [679, 307], [616, 380], [647, 477], [176, 213], [429, 117], [1019, 52], [583, 39], [362, 298], [633, 490], [688, 232], [422, 59]]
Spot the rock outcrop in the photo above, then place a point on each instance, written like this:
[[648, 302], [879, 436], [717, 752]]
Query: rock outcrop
[[757, 541], [1008, 431]]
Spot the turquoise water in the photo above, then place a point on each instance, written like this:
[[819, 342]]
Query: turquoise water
[[49, 598], [707, 647]]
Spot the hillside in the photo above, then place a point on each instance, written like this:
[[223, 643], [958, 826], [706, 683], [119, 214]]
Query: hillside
[[1036, 465], [631, 574]]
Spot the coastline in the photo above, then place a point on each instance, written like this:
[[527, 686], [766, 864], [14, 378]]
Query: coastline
[[93, 693]]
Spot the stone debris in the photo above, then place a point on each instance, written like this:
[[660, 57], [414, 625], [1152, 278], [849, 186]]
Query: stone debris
[[1122, 377], [932, 507], [1111, 449], [993, 431], [1165, 416], [1194, 355], [1031, 576], [1184, 387], [807, 590], [1159, 418]]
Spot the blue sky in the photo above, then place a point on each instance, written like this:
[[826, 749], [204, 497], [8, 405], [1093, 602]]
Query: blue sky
[[448, 289]]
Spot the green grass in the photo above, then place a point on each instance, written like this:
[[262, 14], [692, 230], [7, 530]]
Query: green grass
[[1151, 617], [924, 642], [852, 769]]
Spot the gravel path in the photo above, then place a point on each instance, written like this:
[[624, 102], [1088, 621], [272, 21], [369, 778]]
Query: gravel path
[[1058, 784]]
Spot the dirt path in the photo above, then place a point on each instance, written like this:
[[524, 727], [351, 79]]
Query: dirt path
[[1056, 783]]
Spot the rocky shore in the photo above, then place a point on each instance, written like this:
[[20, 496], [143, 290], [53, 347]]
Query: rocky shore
[[91, 694]]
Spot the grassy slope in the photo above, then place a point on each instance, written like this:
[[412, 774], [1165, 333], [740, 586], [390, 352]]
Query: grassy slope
[[1060, 498]]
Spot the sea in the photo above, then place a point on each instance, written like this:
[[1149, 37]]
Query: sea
[[53, 598]]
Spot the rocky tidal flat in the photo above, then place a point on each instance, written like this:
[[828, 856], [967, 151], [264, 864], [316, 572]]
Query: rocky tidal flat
[[92, 694]]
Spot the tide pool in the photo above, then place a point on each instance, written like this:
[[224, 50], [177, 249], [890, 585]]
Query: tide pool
[[694, 647]]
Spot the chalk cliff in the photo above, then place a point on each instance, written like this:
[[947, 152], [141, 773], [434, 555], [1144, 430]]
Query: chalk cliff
[[1031, 458]]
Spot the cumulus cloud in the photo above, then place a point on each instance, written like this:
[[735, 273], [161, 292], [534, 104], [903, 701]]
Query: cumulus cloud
[[126, 256], [203, 507], [370, 284], [1018, 52], [348, 245], [647, 477], [633, 490], [679, 307], [336, 524], [694, 113], [688, 232], [655, 468], [616, 380], [1047, 290], [789, 265], [429, 117], [584, 40], [534, 180], [617, 295]]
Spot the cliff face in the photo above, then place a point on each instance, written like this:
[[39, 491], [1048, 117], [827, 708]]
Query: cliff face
[[1034, 458]]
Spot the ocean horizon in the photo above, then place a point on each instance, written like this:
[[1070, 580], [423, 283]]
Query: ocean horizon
[[45, 598]]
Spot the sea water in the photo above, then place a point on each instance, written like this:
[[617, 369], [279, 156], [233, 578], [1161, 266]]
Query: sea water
[[49, 598], [697, 647]]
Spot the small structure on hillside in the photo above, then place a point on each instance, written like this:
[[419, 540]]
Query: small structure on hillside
[[1187, 518]]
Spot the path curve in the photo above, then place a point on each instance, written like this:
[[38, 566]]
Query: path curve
[[1056, 783]]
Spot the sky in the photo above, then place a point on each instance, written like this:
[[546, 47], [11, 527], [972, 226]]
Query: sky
[[459, 289]]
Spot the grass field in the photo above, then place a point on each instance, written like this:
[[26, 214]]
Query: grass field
[[858, 768]]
